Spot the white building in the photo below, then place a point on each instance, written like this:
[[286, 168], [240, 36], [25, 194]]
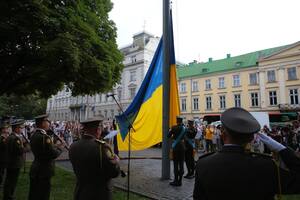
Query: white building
[[137, 59]]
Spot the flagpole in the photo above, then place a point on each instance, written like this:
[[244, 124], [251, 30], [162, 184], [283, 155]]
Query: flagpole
[[166, 90]]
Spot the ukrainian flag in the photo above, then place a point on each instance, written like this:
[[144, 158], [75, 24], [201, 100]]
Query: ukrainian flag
[[146, 111]]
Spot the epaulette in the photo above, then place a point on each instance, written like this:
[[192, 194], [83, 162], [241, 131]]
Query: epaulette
[[100, 141], [255, 154], [42, 131], [205, 155]]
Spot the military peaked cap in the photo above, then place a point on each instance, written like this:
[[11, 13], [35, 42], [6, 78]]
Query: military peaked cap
[[92, 122], [41, 118], [190, 121], [239, 121], [17, 122], [4, 125], [179, 118]]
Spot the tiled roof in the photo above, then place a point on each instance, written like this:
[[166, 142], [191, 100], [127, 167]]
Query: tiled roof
[[226, 64]]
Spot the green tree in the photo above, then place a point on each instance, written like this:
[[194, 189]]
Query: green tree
[[45, 44], [22, 106]]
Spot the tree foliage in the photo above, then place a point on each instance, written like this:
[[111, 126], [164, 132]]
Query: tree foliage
[[22, 106], [45, 44]]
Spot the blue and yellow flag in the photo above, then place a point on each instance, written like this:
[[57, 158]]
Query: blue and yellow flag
[[146, 111]]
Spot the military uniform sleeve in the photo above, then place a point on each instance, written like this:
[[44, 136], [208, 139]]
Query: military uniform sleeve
[[14, 146], [290, 159], [111, 166], [289, 180], [50, 151], [18, 146], [170, 133]]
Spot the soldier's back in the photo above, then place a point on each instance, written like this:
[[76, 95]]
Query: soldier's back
[[15, 150], [233, 174], [92, 168], [3, 153]]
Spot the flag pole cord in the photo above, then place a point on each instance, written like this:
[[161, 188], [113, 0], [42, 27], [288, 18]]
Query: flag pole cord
[[130, 127]]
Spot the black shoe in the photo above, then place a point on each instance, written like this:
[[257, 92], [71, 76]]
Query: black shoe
[[175, 183], [187, 176]]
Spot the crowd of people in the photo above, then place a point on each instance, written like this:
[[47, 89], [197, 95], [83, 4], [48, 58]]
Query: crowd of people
[[208, 137], [46, 140], [226, 149]]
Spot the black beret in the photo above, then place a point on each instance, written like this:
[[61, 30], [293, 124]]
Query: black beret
[[239, 121]]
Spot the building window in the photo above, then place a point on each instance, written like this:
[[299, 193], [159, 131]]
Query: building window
[[237, 100], [112, 114], [133, 75], [254, 99], [253, 79], [273, 98], [222, 102], [132, 92], [133, 59], [208, 103], [119, 94], [292, 75], [183, 104], [195, 103], [221, 82], [294, 98], [236, 80], [105, 113], [195, 86], [207, 84], [182, 87], [271, 76]]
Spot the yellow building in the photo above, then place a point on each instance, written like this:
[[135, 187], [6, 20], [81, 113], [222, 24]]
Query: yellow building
[[266, 80]]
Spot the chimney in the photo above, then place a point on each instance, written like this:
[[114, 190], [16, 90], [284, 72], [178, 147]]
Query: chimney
[[228, 55], [210, 59]]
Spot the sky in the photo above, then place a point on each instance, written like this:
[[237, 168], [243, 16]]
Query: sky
[[212, 28]]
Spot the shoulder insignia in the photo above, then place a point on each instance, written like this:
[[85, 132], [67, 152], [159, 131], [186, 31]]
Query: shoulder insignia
[[48, 140], [206, 154], [100, 141], [255, 154]]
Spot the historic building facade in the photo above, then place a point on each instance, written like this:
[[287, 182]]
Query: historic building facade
[[267, 80], [137, 58]]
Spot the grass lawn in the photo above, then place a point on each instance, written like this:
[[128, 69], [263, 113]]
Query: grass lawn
[[63, 184]]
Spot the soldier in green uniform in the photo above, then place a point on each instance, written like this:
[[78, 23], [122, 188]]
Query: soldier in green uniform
[[189, 149], [45, 152], [177, 132], [3, 156], [234, 174], [15, 158], [94, 163]]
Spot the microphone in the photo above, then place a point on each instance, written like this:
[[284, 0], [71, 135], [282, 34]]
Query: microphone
[[110, 95]]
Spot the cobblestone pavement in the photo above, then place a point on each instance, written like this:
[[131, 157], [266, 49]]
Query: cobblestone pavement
[[145, 177]]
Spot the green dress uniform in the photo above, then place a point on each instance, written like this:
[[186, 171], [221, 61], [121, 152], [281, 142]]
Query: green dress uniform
[[234, 174], [93, 165], [189, 151], [178, 152], [3, 157], [15, 161], [42, 168]]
